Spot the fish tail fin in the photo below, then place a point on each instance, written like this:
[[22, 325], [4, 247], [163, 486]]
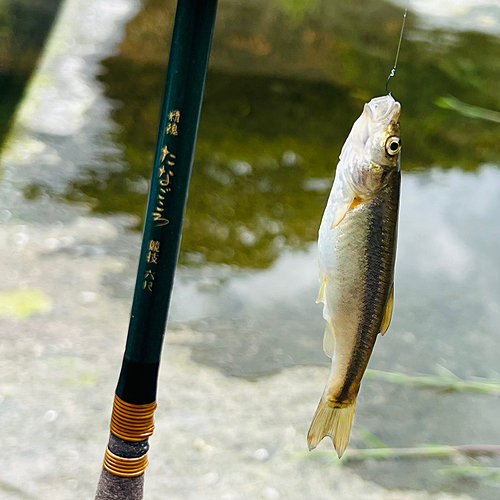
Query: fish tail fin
[[333, 422]]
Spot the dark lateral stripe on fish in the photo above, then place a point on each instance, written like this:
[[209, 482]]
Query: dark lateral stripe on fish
[[379, 242]]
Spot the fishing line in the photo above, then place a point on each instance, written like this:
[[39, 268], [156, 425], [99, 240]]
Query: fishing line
[[393, 71]]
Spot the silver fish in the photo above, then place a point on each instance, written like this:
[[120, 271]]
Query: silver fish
[[357, 250]]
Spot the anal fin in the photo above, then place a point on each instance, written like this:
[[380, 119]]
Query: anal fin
[[386, 320], [329, 340]]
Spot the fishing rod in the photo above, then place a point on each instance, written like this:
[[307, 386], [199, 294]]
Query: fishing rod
[[132, 419]]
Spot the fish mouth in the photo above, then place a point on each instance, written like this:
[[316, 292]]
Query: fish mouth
[[384, 108]]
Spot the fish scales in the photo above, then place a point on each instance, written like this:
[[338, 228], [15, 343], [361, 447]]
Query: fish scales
[[357, 249]]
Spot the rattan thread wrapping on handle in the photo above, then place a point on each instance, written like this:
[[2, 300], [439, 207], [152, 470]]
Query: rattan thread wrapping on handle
[[132, 422], [125, 467]]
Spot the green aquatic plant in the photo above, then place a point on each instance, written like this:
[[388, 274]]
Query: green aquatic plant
[[417, 452], [297, 9], [449, 383], [19, 304], [468, 110], [490, 475]]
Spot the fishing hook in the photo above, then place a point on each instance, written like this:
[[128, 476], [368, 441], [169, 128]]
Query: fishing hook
[[393, 70]]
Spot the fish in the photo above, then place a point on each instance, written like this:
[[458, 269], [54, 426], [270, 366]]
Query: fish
[[356, 257]]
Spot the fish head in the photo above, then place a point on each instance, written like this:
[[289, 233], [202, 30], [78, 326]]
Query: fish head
[[373, 147]]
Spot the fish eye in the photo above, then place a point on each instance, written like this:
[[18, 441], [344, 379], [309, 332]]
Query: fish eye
[[393, 145]]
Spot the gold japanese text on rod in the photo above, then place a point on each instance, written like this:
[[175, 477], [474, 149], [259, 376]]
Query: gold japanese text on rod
[[125, 467], [132, 422]]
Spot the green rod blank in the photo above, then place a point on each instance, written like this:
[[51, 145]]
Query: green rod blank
[[180, 113]]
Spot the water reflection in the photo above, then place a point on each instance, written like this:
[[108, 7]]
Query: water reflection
[[286, 131]]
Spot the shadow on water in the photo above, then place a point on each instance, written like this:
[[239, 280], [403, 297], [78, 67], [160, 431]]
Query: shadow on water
[[24, 26]]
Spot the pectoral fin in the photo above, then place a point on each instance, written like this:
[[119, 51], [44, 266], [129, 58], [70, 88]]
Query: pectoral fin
[[340, 212], [386, 321], [321, 294], [343, 208], [328, 340]]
